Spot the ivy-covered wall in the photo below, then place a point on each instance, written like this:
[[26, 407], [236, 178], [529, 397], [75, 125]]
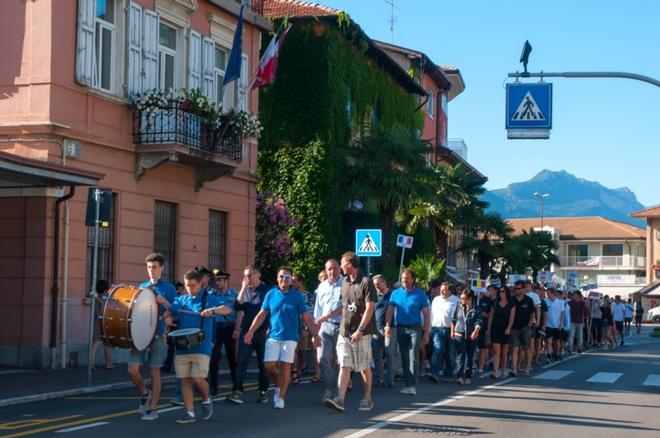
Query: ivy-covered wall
[[308, 122]]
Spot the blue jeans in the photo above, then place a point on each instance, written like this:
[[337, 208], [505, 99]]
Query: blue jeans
[[443, 349], [383, 349], [408, 338], [465, 348], [326, 354]]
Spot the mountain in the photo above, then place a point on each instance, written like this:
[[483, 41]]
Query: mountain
[[569, 197]]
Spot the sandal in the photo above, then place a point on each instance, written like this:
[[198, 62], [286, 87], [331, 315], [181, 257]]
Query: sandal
[[295, 378]]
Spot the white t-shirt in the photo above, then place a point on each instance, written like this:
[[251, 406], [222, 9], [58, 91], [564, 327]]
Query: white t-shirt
[[555, 309], [442, 310]]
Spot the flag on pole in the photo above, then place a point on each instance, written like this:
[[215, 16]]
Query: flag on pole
[[233, 71], [268, 63]]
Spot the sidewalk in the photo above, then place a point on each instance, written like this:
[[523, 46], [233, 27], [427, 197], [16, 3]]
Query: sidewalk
[[25, 386]]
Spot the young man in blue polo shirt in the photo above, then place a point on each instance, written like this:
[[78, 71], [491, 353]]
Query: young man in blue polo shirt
[[284, 305], [154, 354], [195, 310], [411, 303]]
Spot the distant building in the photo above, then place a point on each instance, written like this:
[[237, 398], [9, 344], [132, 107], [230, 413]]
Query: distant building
[[608, 253], [651, 292]]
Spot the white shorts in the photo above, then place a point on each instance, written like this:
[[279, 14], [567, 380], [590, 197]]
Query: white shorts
[[280, 351]]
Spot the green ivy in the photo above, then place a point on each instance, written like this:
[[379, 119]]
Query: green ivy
[[307, 129]]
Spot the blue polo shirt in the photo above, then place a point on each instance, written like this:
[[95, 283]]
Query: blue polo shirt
[[409, 305], [187, 320], [285, 310], [226, 299], [167, 291]]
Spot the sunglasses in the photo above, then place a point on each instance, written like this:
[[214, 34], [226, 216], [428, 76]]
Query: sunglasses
[[517, 288], [284, 276]]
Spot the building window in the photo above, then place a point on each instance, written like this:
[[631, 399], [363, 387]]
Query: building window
[[444, 104], [223, 95], [165, 236], [167, 48], [430, 103], [578, 250], [217, 239], [104, 38], [104, 267], [613, 249]]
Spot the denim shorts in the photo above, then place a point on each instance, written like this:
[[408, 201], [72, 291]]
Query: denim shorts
[[153, 356]]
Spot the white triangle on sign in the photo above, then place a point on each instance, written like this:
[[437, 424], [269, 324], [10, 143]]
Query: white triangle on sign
[[528, 109], [368, 245]]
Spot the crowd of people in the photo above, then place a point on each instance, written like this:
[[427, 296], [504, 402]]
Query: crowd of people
[[354, 323]]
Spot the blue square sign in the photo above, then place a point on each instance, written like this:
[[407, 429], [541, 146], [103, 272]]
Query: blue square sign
[[368, 243], [529, 105]]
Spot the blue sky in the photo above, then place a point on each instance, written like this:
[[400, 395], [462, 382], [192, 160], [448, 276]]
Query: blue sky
[[603, 129]]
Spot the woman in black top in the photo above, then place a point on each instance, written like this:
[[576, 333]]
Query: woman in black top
[[606, 323], [499, 329]]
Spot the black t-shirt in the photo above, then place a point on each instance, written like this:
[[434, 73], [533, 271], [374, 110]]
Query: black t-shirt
[[485, 305], [354, 298], [524, 311], [544, 310]]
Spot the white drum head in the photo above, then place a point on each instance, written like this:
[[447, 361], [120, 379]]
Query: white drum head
[[144, 319], [183, 332]]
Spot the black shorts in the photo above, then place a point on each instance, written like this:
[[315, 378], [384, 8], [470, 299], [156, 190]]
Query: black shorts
[[628, 319], [481, 340], [638, 318], [619, 325]]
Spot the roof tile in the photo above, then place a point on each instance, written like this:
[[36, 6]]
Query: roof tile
[[296, 8], [582, 228]]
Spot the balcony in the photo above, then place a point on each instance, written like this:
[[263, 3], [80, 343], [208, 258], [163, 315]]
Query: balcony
[[603, 262], [176, 135], [457, 145]]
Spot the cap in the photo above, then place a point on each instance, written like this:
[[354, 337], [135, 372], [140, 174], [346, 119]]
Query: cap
[[202, 270], [219, 273]]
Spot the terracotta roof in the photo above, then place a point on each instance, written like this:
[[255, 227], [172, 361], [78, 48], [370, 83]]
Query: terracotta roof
[[295, 8], [449, 68], [650, 211], [582, 228]]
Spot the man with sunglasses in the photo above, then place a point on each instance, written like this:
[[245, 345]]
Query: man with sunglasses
[[283, 306]]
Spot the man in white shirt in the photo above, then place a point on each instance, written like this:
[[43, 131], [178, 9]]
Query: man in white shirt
[[618, 314], [327, 313], [554, 324], [442, 311]]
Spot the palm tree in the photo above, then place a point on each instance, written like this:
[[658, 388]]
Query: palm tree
[[485, 238], [454, 201], [531, 250], [385, 173]]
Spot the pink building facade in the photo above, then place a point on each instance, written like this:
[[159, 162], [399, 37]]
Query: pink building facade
[[69, 73]]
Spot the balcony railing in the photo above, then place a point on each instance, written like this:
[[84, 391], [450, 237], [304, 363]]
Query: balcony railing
[[174, 125], [457, 145], [603, 262]]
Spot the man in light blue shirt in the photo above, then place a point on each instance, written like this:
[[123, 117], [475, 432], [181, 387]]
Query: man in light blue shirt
[[327, 313]]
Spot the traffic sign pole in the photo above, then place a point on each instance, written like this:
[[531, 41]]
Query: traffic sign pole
[[92, 294]]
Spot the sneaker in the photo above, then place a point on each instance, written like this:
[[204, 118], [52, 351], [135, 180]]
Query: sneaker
[[433, 378], [467, 381], [262, 397], [460, 381], [236, 398], [207, 410], [449, 379], [145, 402], [328, 395], [366, 404], [409, 391], [335, 403], [186, 418], [278, 403], [150, 415]]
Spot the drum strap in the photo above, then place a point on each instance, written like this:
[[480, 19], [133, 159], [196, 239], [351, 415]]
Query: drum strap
[[201, 318]]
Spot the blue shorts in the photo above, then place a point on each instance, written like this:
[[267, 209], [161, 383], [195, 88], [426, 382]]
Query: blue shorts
[[153, 356]]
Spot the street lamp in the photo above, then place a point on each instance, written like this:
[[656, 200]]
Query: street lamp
[[542, 198]]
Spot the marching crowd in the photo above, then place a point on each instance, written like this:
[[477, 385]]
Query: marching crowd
[[358, 324]]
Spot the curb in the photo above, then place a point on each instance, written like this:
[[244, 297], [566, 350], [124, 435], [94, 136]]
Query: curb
[[76, 391]]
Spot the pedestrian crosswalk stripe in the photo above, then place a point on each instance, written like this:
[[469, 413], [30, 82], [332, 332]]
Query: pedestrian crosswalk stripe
[[604, 377], [553, 375], [652, 380]]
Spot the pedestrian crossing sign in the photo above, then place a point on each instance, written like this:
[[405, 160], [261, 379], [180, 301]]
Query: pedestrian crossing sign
[[529, 110], [368, 243]]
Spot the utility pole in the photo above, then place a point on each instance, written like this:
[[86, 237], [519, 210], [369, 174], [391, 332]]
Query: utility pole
[[393, 6], [542, 198]]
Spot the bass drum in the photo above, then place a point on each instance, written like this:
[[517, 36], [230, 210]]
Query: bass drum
[[130, 317]]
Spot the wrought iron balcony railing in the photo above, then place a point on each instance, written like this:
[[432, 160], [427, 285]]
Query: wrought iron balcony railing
[[173, 124]]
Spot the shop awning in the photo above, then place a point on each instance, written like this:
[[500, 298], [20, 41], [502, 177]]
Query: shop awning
[[19, 172]]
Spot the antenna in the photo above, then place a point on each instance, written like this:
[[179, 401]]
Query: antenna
[[392, 20]]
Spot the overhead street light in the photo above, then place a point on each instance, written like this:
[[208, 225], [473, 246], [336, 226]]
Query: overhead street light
[[542, 198]]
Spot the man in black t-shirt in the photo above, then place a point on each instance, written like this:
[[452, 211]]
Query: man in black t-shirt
[[521, 331]]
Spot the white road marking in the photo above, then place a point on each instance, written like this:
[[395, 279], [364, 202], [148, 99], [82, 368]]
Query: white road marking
[[604, 377], [84, 426], [552, 375], [384, 423], [652, 380]]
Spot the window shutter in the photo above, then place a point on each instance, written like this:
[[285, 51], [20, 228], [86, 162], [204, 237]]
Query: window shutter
[[134, 76], [208, 53], [85, 44], [150, 37], [243, 94], [194, 59]]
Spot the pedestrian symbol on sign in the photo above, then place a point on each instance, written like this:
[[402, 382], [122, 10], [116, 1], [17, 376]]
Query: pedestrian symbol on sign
[[368, 245], [528, 109]]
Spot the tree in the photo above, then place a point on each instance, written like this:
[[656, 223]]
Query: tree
[[427, 268], [533, 250], [485, 239], [385, 173]]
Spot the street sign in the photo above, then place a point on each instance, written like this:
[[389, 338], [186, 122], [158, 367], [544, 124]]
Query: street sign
[[571, 279], [368, 243], [496, 282], [105, 208], [404, 241], [543, 277], [528, 110]]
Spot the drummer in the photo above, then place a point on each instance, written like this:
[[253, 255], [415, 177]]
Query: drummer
[[192, 364], [154, 355]]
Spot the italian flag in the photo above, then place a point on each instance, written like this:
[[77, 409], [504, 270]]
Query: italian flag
[[268, 63]]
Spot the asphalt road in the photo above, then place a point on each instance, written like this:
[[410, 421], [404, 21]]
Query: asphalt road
[[604, 394]]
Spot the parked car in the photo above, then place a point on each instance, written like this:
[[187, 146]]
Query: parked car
[[654, 315]]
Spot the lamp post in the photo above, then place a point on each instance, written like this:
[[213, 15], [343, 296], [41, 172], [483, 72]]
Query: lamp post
[[542, 198]]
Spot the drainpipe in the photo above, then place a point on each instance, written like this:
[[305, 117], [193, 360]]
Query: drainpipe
[[65, 285], [54, 288]]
